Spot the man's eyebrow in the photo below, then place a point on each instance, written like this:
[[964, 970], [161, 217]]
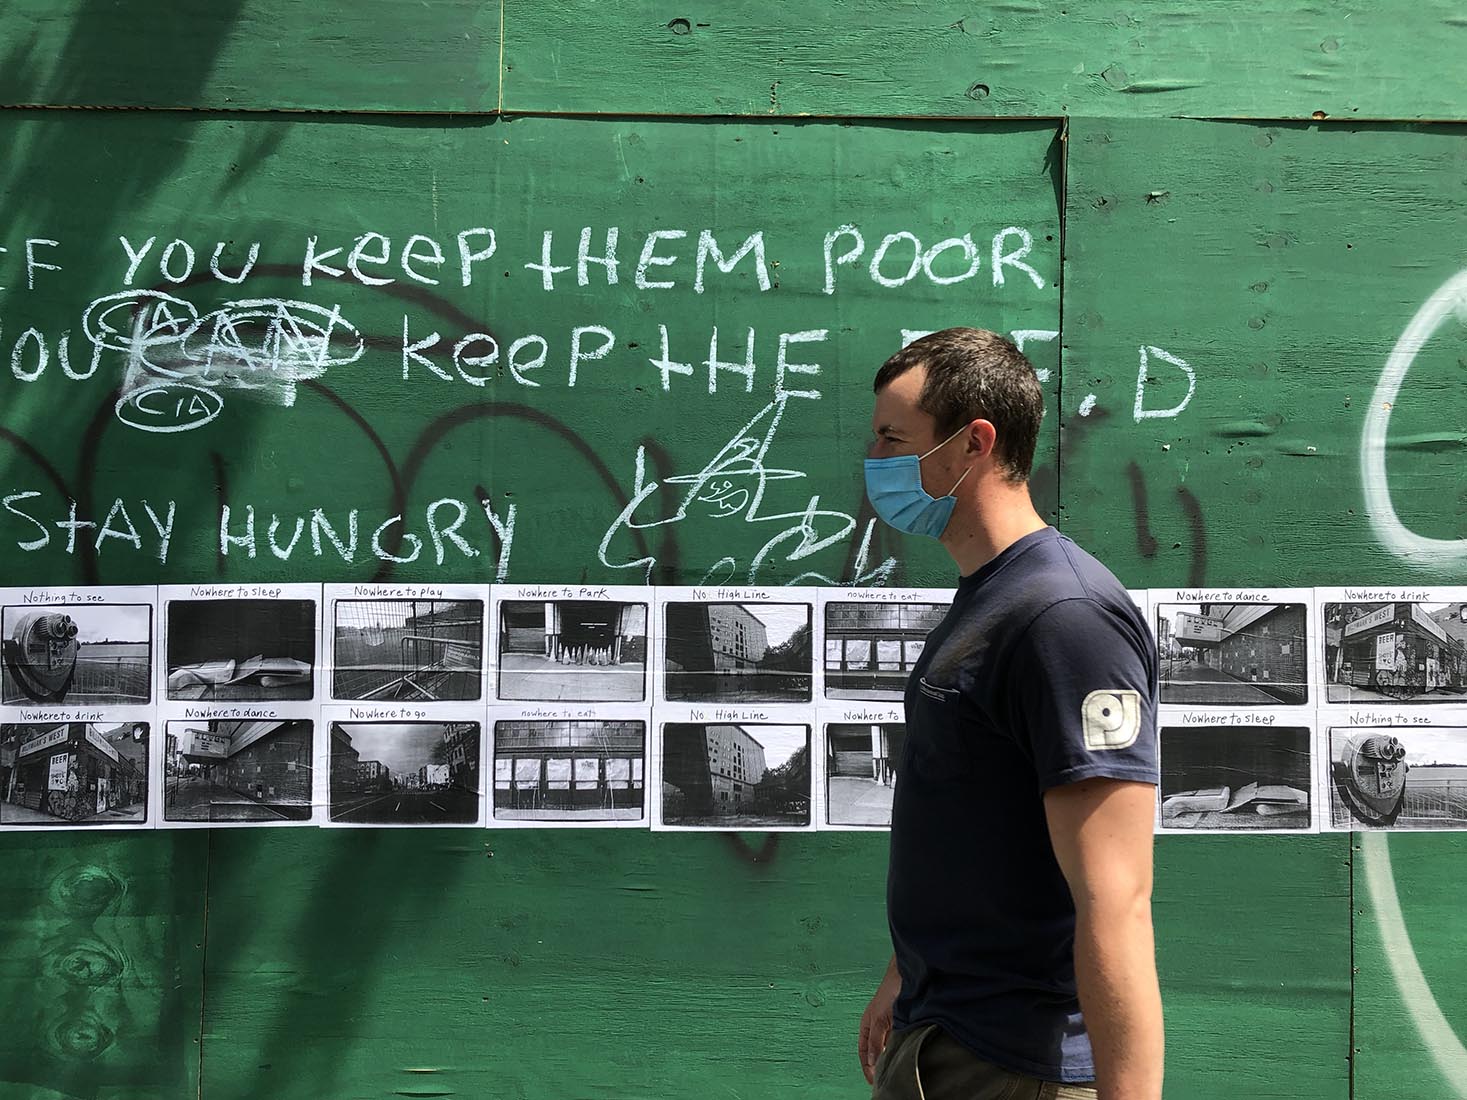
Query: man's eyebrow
[[888, 429]]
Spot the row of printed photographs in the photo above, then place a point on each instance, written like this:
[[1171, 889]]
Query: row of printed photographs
[[1283, 770], [445, 645]]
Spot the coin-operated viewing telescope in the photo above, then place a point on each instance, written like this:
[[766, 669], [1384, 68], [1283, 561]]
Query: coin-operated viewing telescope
[[41, 655], [1371, 777]]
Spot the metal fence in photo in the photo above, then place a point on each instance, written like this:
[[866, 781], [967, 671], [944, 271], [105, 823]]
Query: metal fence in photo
[[1402, 777], [408, 650], [1239, 655], [86, 655]]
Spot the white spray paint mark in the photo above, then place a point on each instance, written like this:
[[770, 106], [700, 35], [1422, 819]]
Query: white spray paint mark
[[1449, 300], [1441, 1041], [1087, 405]]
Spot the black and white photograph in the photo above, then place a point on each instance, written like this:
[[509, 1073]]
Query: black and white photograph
[[861, 772], [570, 772], [405, 773], [1397, 652], [408, 650], [1236, 777], [77, 654], [565, 650], [1398, 777], [724, 775], [241, 650], [73, 774], [745, 652], [871, 647], [1242, 654], [245, 772]]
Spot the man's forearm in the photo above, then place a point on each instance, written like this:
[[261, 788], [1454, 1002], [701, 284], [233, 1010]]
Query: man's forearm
[[1115, 969]]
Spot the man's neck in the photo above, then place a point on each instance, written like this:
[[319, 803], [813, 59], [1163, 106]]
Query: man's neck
[[988, 523]]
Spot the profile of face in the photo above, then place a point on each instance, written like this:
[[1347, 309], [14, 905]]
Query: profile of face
[[900, 427]]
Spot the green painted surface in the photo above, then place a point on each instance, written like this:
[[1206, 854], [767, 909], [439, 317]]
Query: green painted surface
[[371, 55], [1151, 58], [101, 979], [1281, 262], [559, 444], [1410, 1001]]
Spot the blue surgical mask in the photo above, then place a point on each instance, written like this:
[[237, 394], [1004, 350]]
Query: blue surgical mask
[[894, 488]]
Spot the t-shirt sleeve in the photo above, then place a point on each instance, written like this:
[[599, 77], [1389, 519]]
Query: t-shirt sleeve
[[1083, 695]]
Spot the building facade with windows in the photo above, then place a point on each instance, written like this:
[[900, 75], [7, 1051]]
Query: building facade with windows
[[74, 771], [870, 649], [712, 769], [565, 766]]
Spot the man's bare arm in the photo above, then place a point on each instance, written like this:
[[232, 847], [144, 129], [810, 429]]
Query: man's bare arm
[[1101, 830]]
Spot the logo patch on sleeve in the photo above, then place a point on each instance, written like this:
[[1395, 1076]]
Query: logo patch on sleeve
[[1111, 719]]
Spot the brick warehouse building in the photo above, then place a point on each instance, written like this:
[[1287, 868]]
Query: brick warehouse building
[[1259, 644], [74, 771], [712, 768]]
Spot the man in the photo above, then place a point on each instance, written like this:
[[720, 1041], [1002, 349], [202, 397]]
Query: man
[[1019, 889]]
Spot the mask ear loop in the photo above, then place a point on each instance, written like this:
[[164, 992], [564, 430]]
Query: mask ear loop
[[939, 447], [944, 443], [954, 489]]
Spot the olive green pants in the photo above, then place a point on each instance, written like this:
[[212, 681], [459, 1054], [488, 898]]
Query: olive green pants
[[925, 1063]]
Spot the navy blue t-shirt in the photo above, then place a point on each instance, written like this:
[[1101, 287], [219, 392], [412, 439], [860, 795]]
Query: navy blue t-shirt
[[1042, 673]]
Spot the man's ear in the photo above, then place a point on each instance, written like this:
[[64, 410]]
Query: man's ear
[[982, 436]]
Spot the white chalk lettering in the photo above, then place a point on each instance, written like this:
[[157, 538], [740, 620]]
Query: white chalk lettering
[[411, 255], [746, 368], [607, 259], [32, 265], [467, 259], [649, 259], [708, 247], [1014, 259], [783, 366]]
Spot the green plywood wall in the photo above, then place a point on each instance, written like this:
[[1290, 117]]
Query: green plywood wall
[[1279, 260]]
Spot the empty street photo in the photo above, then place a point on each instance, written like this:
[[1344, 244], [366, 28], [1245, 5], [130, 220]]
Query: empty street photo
[[572, 650], [871, 648], [727, 776], [1233, 654], [1398, 777], [1395, 652], [408, 650], [74, 773], [861, 771], [553, 771], [77, 654], [257, 772], [405, 773], [241, 650], [1236, 777], [738, 652]]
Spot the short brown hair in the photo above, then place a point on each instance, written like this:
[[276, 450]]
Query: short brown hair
[[975, 374]]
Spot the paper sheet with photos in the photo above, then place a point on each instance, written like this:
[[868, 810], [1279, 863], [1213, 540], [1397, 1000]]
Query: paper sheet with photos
[[716, 708]]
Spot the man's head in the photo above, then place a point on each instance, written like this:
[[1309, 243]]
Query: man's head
[[937, 385]]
